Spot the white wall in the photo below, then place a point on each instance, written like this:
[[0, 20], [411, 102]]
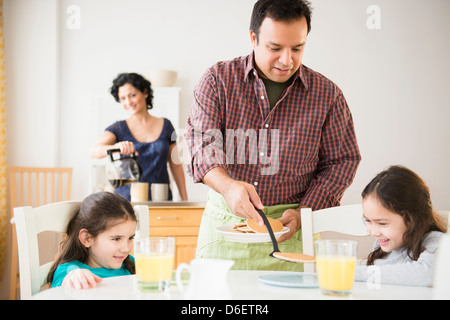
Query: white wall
[[394, 78]]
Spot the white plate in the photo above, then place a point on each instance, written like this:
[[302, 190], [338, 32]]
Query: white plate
[[247, 237], [291, 280]]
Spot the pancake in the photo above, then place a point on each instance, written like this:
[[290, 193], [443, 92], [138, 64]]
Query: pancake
[[276, 225], [294, 257]]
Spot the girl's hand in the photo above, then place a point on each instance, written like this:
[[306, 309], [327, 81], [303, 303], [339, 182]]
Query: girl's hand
[[81, 279]]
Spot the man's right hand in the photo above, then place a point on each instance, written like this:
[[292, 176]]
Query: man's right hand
[[240, 196]]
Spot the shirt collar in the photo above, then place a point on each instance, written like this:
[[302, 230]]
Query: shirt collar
[[250, 68]]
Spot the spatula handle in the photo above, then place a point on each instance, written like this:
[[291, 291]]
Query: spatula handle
[[269, 229]]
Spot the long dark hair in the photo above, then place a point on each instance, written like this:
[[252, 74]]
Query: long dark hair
[[402, 191], [98, 212]]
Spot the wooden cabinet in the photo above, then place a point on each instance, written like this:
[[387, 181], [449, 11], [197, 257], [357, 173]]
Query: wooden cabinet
[[182, 223]]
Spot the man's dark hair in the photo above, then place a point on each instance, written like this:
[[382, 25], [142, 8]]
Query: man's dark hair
[[279, 10]]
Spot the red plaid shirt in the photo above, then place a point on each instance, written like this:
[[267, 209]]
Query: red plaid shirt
[[302, 151]]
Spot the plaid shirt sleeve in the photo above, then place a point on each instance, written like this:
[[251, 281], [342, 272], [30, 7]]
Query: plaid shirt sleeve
[[203, 136], [339, 158]]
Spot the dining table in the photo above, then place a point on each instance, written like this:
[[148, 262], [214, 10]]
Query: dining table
[[241, 285]]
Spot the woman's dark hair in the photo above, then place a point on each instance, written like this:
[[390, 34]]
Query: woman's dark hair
[[402, 191], [137, 81], [98, 212], [279, 10]]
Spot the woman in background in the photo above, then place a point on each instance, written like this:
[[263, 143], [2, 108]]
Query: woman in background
[[152, 139]]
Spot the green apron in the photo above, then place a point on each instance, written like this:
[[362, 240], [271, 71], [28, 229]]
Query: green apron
[[247, 256]]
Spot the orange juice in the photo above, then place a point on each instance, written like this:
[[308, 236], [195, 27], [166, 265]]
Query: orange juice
[[336, 273], [154, 267]]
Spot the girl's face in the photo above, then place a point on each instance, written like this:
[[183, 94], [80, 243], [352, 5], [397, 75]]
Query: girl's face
[[385, 226], [110, 248], [132, 99]]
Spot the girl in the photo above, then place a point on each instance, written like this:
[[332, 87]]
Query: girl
[[99, 240], [399, 215]]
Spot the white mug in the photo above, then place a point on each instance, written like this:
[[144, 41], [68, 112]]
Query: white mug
[[160, 191], [208, 279]]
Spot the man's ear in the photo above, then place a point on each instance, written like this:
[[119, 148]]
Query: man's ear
[[85, 238], [253, 39]]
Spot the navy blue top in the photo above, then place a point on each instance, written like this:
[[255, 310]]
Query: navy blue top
[[152, 156]]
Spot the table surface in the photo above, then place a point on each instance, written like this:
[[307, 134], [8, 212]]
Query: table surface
[[242, 285]]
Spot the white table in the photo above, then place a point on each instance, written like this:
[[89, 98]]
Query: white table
[[243, 285]]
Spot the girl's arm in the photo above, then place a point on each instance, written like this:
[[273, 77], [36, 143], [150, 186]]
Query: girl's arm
[[81, 279], [400, 270]]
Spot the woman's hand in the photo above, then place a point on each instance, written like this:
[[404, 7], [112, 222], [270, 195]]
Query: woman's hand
[[81, 279], [126, 148]]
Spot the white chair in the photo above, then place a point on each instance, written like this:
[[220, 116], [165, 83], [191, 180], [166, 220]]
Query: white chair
[[441, 282], [29, 223], [143, 218], [52, 217], [34, 186], [343, 219], [445, 214]]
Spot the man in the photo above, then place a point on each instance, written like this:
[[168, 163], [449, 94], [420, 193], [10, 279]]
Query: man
[[265, 131]]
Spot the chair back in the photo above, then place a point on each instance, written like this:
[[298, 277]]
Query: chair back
[[51, 217], [143, 221], [343, 219], [29, 223], [441, 282], [445, 215], [34, 186]]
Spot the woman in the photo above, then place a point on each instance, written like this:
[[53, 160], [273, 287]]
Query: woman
[[151, 138]]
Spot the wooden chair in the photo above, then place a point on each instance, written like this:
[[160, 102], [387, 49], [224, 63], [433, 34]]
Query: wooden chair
[[34, 186], [51, 217], [343, 219]]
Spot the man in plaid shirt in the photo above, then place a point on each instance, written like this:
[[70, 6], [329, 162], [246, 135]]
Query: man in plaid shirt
[[266, 131]]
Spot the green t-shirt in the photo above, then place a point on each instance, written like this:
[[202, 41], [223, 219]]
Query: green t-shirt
[[63, 269], [274, 90]]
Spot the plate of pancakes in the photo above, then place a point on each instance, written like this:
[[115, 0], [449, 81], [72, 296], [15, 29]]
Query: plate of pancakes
[[250, 231]]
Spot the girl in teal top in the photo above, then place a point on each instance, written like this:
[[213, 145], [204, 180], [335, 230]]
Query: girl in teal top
[[98, 243]]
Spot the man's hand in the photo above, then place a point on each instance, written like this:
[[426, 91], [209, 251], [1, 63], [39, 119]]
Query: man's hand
[[240, 196], [291, 219]]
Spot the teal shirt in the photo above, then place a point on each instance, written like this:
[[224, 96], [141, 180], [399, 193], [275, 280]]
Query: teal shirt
[[63, 269]]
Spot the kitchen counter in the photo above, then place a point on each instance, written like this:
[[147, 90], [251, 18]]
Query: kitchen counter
[[170, 203]]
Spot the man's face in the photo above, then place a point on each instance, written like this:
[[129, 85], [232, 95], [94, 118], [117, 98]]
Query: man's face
[[279, 51]]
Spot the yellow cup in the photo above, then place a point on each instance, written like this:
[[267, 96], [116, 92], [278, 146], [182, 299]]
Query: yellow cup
[[336, 261], [154, 263]]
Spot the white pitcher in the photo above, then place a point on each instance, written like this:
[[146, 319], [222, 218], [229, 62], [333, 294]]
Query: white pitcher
[[208, 279]]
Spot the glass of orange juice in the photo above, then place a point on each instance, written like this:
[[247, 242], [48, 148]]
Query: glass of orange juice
[[154, 263], [335, 261]]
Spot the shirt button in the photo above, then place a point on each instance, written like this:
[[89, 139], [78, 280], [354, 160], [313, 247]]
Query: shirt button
[[255, 183], [266, 125], [262, 97], [261, 154]]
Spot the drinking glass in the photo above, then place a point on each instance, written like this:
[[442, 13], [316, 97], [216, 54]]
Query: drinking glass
[[154, 263], [336, 260]]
